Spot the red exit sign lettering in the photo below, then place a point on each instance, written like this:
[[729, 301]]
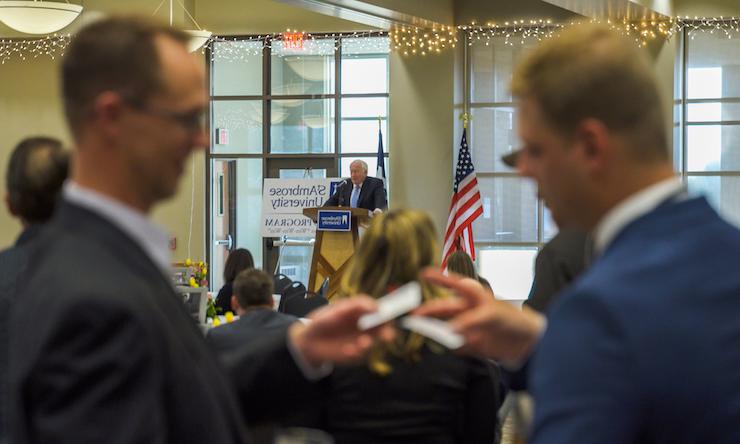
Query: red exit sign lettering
[[293, 40]]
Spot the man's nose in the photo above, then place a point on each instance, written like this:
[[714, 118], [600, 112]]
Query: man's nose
[[523, 167], [200, 139]]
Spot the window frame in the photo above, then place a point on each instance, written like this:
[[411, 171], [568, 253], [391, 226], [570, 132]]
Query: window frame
[[267, 97]]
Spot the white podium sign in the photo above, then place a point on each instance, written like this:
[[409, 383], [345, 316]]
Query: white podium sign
[[283, 201]]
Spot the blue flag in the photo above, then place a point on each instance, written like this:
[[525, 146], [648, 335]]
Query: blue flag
[[380, 172]]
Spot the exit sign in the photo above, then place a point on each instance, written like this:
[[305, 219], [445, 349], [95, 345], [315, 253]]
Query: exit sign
[[293, 40]]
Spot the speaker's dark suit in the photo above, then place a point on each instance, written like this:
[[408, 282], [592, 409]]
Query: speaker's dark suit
[[250, 327], [372, 195], [102, 350], [645, 346]]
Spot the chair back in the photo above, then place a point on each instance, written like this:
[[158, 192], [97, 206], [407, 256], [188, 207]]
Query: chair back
[[294, 289], [300, 306], [280, 283]]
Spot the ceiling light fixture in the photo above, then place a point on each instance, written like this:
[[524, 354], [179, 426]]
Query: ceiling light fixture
[[198, 37], [37, 17]]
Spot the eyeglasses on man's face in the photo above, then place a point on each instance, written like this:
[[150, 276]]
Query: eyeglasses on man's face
[[191, 120]]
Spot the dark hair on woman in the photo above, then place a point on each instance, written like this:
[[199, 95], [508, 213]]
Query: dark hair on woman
[[460, 262], [238, 260]]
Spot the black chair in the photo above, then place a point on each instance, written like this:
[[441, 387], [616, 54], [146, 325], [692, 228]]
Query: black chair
[[300, 306], [324, 288], [294, 289], [280, 283]]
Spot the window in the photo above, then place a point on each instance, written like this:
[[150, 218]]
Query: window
[[707, 119], [274, 105], [514, 224]]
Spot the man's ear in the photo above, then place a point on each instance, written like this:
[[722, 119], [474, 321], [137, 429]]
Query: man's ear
[[234, 303], [594, 139], [10, 208], [108, 109]]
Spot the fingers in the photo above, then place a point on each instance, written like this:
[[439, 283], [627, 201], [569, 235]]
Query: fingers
[[345, 311], [442, 308], [386, 332], [355, 307], [468, 289], [356, 349]]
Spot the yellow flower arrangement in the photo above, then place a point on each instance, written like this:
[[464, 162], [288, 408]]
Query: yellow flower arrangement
[[198, 273]]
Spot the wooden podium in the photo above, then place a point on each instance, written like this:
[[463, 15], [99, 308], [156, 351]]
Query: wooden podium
[[332, 250]]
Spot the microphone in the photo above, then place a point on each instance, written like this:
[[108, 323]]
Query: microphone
[[344, 183], [338, 191]]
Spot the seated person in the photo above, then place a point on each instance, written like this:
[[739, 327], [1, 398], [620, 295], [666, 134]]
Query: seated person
[[359, 191], [412, 390], [252, 301], [238, 261], [460, 262]]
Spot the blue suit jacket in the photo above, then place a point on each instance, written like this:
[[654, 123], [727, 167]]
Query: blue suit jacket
[[645, 347]]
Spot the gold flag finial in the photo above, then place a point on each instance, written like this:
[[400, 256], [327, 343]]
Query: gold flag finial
[[465, 117]]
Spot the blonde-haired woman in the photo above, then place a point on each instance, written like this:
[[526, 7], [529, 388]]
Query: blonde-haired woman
[[412, 391]]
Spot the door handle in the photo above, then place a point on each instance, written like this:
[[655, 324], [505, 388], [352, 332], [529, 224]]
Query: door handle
[[228, 242]]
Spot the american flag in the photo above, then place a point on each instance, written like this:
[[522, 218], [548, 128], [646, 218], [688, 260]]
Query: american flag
[[466, 206]]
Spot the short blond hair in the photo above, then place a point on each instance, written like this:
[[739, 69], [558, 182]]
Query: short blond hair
[[590, 71]]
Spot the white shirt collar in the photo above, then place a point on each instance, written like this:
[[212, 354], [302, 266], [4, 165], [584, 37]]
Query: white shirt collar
[[632, 208], [148, 235]]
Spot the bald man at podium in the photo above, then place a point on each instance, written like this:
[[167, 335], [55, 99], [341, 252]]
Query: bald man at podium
[[359, 191]]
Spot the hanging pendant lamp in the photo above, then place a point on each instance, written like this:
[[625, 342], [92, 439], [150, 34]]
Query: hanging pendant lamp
[[37, 17], [198, 37]]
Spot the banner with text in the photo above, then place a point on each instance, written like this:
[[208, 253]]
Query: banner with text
[[283, 201]]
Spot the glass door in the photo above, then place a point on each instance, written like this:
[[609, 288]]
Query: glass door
[[235, 201], [295, 256]]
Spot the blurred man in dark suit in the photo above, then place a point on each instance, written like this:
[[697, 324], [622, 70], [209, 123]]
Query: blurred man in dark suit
[[253, 302], [112, 354], [36, 170], [360, 191]]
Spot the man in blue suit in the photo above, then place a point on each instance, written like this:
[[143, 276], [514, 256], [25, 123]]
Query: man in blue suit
[[645, 346], [360, 191]]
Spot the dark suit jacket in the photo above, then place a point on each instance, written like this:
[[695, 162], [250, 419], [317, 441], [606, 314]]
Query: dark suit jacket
[[102, 350], [372, 195], [645, 346], [442, 398], [12, 262], [248, 328], [557, 265]]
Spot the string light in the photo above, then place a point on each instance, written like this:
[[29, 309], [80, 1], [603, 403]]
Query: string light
[[223, 48], [412, 40], [404, 39], [51, 46]]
